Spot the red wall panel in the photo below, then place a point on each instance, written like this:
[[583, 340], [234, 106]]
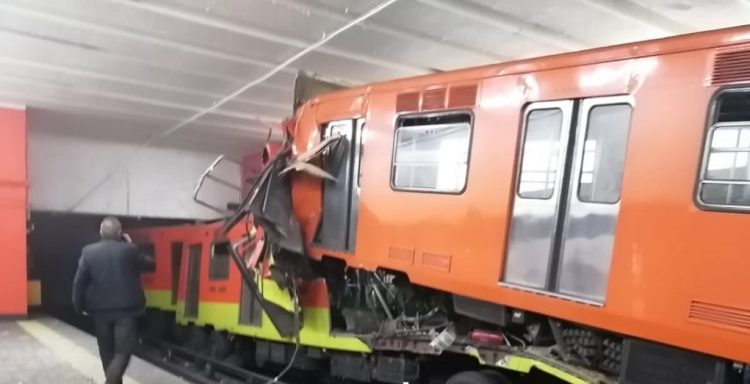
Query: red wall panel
[[13, 202]]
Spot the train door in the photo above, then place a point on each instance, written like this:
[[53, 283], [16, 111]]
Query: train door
[[176, 263], [192, 293], [338, 223], [567, 196]]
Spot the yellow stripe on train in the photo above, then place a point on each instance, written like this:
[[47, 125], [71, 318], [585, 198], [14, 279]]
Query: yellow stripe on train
[[316, 331]]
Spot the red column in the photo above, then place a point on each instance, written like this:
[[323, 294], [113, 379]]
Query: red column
[[13, 196]]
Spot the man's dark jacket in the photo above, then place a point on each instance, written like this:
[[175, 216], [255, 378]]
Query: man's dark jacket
[[108, 278]]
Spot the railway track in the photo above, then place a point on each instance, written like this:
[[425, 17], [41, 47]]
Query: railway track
[[198, 368]]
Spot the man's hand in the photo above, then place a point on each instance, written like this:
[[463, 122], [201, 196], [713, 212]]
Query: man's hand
[[126, 237]]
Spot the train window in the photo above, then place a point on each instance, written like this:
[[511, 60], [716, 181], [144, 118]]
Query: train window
[[150, 250], [432, 153], [733, 106], [725, 178], [540, 159], [218, 266], [604, 153]]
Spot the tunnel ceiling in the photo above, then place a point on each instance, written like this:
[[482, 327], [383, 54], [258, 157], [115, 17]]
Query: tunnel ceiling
[[130, 69]]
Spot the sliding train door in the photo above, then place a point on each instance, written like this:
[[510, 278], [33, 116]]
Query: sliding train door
[[567, 197], [538, 194]]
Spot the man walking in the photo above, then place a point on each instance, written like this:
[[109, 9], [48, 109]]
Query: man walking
[[107, 286]]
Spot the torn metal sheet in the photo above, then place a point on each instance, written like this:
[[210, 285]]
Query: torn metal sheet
[[310, 169], [301, 162], [282, 319]]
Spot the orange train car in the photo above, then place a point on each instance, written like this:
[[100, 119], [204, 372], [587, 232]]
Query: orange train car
[[608, 188]]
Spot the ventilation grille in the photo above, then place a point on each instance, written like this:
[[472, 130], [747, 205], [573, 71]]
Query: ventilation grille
[[460, 96], [407, 102], [731, 67], [720, 315], [463, 96], [433, 98]]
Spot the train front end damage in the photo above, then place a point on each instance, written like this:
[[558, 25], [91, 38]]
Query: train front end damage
[[380, 308], [268, 208], [404, 327]]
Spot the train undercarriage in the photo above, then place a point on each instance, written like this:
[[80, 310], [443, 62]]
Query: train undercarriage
[[415, 335]]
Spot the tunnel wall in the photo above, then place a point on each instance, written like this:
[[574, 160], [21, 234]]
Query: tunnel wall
[[98, 176]]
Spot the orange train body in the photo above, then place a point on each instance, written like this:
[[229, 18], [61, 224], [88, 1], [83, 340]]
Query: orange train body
[[679, 274], [171, 275]]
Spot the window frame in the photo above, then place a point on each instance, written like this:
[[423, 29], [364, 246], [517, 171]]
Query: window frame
[[710, 126], [400, 118], [212, 261], [521, 149], [613, 101]]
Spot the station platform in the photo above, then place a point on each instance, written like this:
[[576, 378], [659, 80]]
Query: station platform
[[45, 350]]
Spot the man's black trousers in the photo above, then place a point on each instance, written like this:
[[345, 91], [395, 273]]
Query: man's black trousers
[[117, 340]]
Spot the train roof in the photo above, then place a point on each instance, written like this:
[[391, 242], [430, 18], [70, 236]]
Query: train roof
[[667, 45]]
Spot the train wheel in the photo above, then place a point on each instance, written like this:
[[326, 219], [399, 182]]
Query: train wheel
[[219, 347], [499, 377], [473, 377], [179, 334], [242, 352], [198, 340], [234, 360]]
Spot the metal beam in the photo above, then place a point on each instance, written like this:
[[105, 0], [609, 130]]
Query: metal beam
[[70, 71], [508, 22], [399, 33], [245, 30], [636, 12]]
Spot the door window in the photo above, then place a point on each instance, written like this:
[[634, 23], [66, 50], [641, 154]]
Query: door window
[[604, 153], [541, 151]]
